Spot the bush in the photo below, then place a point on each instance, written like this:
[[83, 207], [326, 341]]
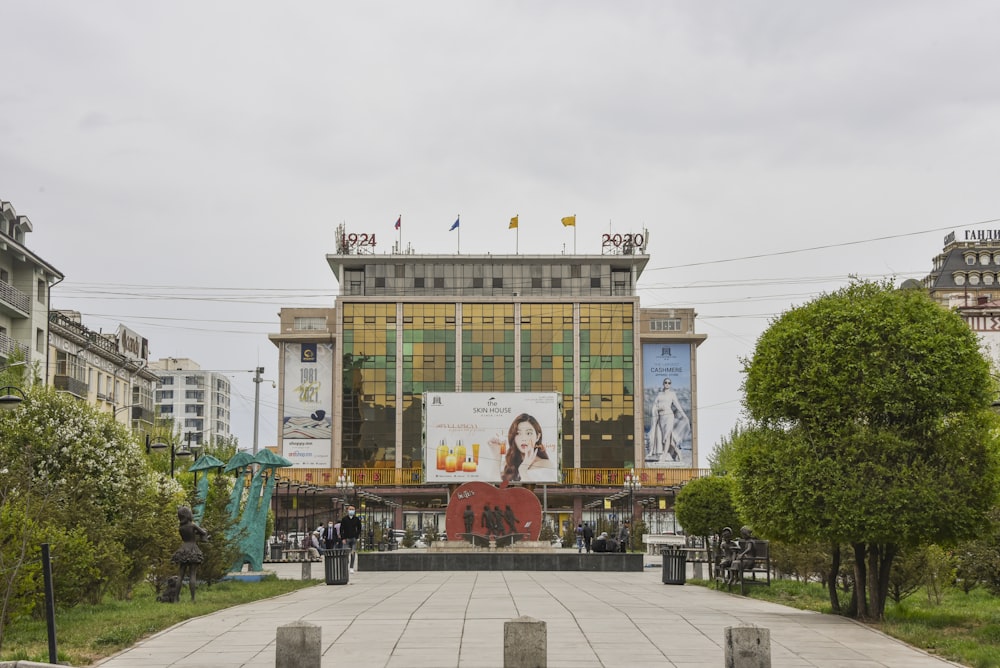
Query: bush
[[222, 548]]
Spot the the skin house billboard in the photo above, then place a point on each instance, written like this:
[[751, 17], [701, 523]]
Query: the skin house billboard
[[492, 437]]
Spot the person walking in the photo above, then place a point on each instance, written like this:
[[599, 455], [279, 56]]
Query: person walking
[[623, 537], [579, 538], [350, 532], [588, 536], [330, 536]]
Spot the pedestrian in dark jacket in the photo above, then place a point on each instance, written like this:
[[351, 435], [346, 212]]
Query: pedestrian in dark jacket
[[350, 532], [588, 535], [331, 537]]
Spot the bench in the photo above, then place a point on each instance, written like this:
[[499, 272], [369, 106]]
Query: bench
[[297, 555], [654, 542], [759, 564]]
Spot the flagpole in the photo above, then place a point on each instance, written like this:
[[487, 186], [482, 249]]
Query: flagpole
[[458, 219], [574, 234]]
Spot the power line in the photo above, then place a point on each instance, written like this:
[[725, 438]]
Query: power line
[[824, 247]]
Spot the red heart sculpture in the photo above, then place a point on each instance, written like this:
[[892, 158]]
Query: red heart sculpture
[[517, 506]]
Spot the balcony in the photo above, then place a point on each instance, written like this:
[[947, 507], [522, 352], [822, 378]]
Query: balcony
[[71, 385], [81, 334], [140, 414], [9, 346], [14, 301]]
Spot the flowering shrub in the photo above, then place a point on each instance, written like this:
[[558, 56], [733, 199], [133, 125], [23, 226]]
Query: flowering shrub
[[75, 478]]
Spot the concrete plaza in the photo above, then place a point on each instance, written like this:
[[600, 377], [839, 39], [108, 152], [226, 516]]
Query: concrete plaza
[[433, 619]]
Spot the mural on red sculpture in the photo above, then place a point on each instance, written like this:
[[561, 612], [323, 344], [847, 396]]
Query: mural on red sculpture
[[489, 510]]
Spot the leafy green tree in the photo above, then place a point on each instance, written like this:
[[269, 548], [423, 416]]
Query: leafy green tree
[[222, 549], [871, 426], [718, 461], [75, 478], [907, 573], [20, 566], [802, 561], [978, 559], [638, 528], [705, 505]]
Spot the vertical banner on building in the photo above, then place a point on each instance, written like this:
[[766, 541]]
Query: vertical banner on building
[[307, 427], [666, 402]]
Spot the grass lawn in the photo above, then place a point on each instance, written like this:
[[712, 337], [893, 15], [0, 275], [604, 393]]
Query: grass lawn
[[87, 633], [964, 628]]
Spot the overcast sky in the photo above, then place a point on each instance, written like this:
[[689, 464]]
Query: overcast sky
[[185, 164]]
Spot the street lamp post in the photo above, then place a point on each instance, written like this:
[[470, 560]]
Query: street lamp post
[[289, 508], [311, 522], [344, 484], [183, 451], [632, 484], [10, 397], [301, 487]]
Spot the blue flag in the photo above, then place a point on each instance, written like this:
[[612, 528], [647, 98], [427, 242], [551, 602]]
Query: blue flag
[[454, 225]]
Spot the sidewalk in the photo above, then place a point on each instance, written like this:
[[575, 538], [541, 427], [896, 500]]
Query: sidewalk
[[433, 619]]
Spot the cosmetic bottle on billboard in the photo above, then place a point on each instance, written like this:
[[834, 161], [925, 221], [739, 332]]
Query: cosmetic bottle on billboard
[[469, 466], [442, 455], [450, 463], [459, 454]]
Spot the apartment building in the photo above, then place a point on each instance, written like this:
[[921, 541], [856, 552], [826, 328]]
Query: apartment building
[[198, 401], [26, 281]]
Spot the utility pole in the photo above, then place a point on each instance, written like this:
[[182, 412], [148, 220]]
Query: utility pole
[[258, 372]]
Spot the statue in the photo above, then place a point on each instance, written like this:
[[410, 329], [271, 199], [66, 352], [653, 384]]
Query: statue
[[510, 518], [189, 555], [745, 557], [469, 517], [724, 557], [497, 521], [172, 591], [486, 522]]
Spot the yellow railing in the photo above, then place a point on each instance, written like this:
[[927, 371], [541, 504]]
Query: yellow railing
[[615, 477], [385, 477]]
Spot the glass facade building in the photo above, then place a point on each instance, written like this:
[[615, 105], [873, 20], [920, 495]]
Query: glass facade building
[[403, 325]]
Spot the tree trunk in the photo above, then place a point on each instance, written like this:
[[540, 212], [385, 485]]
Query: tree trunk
[[879, 565], [831, 581], [860, 603]]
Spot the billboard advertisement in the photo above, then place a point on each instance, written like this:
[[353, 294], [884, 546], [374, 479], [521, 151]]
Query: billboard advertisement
[[306, 426], [492, 437], [666, 405]]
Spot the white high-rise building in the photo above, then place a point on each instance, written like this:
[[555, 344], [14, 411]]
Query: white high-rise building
[[198, 401]]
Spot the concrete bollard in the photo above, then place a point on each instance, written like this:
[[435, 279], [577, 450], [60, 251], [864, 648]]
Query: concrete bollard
[[298, 645], [748, 647], [524, 643], [307, 569]]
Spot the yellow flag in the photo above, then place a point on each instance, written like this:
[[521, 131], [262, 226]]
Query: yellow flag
[[513, 223], [569, 221]]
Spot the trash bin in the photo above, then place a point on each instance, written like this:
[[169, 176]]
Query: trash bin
[[336, 563], [275, 551], [674, 565]]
